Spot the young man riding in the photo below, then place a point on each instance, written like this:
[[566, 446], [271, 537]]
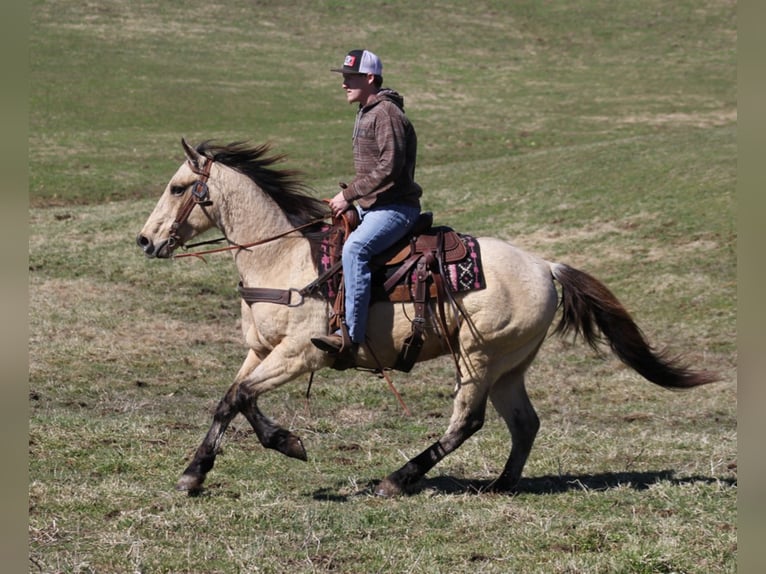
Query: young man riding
[[383, 190]]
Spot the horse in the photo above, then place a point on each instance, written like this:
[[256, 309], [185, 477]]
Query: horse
[[270, 219]]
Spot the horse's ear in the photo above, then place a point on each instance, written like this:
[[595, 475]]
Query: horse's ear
[[191, 154]]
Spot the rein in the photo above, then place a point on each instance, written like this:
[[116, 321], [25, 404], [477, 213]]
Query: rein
[[246, 245]]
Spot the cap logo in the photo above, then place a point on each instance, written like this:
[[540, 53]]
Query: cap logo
[[349, 61]]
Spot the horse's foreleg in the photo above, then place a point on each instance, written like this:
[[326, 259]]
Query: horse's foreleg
[[279, 367], [204, 458], [510, 399], [467, 418], [269, 433]]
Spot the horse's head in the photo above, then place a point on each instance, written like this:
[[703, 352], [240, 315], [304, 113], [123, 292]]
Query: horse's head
[[180, 213]]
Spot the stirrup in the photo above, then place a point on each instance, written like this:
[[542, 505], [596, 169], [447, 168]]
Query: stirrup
[[329, 343]]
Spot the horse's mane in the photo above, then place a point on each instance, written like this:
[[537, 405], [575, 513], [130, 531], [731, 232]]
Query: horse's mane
[[284, 186]]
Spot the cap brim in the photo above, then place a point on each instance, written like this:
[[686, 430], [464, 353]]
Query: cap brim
[[347, 71]]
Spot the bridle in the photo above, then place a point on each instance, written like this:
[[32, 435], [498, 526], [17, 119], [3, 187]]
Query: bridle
[[200, 195]]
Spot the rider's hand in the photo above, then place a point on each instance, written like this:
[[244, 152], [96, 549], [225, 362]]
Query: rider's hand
[[339, 204]]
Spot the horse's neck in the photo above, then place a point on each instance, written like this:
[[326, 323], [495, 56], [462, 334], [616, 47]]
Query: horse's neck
[[280, 264], [248, 215]]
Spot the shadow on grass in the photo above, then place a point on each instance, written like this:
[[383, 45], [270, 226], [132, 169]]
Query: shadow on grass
[[542, 485]]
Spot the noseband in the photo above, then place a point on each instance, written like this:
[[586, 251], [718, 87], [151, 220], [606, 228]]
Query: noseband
[[199, 195]]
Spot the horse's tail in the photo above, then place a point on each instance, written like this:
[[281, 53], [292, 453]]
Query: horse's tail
[[589, 307]]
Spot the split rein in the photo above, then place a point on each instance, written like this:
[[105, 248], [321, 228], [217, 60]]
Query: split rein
[[233, 246]]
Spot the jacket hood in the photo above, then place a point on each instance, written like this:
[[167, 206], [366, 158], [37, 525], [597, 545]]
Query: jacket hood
[[391, 95]]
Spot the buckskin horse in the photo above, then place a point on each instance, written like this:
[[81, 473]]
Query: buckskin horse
[[270, 221]]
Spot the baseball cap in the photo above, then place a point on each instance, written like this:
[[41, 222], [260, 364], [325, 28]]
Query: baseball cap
[[361, 62]]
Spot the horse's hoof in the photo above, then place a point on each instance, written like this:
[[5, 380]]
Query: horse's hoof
[[388, 489], [294, 448], [189, 483], [502, 485]]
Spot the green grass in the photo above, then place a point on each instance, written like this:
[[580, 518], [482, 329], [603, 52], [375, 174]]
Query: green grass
[[596, 133]]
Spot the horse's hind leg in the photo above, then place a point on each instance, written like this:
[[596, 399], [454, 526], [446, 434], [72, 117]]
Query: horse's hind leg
[[510, 399], [467, 417]]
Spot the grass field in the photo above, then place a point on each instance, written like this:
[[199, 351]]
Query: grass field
[[596, 133]]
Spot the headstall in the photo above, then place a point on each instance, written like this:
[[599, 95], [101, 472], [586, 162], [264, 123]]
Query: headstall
[[199, 195]]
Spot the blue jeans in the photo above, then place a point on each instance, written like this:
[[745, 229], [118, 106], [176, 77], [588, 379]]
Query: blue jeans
[[379, 229]]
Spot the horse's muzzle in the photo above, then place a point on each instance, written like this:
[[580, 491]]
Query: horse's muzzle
[[152, 250]]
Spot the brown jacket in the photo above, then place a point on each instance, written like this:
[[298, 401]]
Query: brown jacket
[[385, 151]]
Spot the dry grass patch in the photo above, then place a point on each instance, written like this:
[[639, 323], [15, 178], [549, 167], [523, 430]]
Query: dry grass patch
[[80, 317]]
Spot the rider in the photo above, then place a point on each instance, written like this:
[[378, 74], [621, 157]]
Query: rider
[[383, 190]]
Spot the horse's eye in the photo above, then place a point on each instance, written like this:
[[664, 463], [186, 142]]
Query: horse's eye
[[177, 189]]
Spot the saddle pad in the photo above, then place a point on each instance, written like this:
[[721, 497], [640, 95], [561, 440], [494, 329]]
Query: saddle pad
[[463, 275]]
